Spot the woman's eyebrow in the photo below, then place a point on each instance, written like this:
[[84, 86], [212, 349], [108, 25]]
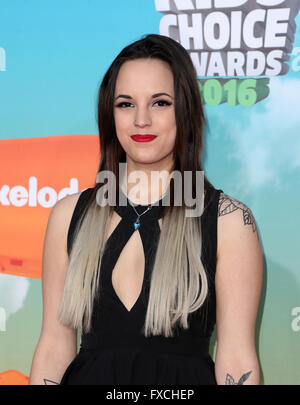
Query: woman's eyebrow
[[153, 96], [161, 94]]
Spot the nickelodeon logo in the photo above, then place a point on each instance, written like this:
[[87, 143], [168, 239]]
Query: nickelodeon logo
[[19, 196], [47, 170]]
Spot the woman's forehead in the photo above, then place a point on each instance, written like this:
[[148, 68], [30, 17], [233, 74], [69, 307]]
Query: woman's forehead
[[144, 74]]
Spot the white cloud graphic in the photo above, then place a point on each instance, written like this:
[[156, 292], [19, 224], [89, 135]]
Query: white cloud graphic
[[13, 291], [268, 150]]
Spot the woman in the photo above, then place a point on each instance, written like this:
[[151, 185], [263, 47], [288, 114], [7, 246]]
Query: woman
[[144, 282]]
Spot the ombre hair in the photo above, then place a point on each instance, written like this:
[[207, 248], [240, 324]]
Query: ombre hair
[[179, 283]]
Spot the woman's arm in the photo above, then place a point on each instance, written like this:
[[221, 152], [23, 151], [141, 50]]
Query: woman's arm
[[57, 345], [238, 285]]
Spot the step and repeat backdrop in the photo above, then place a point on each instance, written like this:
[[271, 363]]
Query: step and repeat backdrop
[[53, 55]]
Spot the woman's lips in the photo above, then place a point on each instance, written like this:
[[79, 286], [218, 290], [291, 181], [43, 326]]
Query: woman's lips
[[143, 138]]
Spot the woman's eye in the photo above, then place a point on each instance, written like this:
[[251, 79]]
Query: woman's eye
[[162, 103], [159, 103], [124, 104]]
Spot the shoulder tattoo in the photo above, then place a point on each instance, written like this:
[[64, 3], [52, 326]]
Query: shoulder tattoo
[[228, 204]]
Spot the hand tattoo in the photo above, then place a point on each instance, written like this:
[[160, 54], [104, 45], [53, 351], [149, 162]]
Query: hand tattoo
[[230, 380], [50, 381]]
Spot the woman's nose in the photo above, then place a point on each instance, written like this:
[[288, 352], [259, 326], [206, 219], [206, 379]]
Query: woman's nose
[[142, 118]]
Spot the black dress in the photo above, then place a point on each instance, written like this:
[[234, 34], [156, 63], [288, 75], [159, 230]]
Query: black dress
[[115, 351]]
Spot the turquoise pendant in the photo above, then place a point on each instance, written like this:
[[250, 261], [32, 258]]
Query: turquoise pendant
[[137, 223]]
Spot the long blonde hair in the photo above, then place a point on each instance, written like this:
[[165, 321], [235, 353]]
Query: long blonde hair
[[179, 283]]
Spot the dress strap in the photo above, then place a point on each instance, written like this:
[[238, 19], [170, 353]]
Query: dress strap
[[77, 213], [210, 232]]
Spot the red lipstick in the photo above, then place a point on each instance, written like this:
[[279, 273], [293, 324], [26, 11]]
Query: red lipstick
[[143, 138]]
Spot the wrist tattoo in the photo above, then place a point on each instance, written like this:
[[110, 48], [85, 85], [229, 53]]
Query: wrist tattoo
[[230, 380], [50, 382]]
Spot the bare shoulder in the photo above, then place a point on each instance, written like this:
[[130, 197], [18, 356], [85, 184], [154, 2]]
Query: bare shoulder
[[67, 203], [233, 210], [236, 221], [64, 207]]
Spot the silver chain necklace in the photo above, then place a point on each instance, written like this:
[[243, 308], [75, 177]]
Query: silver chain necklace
[[137, 221]]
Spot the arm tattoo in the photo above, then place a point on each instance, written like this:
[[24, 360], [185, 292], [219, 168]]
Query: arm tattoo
[[230, 380], [50, 381], [228, 204]]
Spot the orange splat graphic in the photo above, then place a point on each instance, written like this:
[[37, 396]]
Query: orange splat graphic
[[13, 377], [35, 173]]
